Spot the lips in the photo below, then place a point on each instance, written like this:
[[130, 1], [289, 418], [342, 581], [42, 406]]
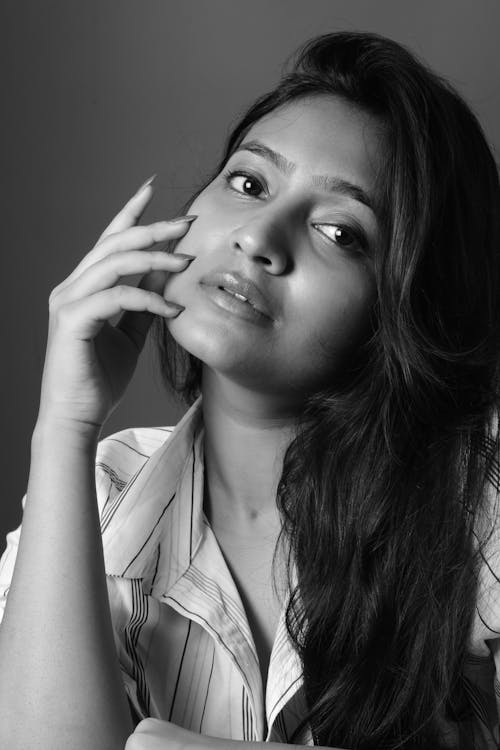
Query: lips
[[240, 288]]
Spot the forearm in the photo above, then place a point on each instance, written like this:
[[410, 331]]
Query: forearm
[[153, 733], [241, 745], [60, 683]]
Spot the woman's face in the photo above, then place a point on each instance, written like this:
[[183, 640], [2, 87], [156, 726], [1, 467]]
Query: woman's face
[[282, 284]]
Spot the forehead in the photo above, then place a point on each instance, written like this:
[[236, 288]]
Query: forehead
[[325, 134]]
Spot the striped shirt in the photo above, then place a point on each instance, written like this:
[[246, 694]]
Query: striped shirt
[[182, 637]]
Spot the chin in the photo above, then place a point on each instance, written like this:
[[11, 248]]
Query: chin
[[224, 354], [211, 345]]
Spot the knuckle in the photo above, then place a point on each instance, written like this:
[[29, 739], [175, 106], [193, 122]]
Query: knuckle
[[111, 242], [62, 315], [55, 298], [154, 232], [155, 257], [121, 291], [158, 231], [110, 259], [146, 725]]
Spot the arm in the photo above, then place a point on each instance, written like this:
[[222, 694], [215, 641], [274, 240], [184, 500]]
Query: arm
[[152, 734], [59, 666], [60, 684]]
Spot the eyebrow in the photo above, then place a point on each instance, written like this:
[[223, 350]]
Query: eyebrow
[[325, 182]]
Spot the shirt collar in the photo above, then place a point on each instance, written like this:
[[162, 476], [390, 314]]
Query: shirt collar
[[138, 531], [154, 533]]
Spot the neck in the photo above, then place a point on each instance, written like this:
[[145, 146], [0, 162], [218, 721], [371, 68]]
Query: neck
[[246, 436]]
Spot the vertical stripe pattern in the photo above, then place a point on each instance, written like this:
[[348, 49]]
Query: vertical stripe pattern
[[182, 636]]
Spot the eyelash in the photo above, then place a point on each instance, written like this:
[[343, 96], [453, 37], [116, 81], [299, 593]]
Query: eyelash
[[230, 174], [361, 244], [358, 236]]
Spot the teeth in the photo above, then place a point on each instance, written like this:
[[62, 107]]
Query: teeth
[[236, 294]]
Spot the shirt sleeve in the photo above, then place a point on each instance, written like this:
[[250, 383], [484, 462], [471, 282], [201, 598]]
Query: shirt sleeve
[[7, 562], [118, 457], [108, 485], [482, 664]]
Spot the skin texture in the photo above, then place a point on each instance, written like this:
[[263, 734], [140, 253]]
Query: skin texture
[[283, 239]]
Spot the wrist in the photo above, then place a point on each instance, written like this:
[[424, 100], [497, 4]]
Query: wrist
[[52, 427]]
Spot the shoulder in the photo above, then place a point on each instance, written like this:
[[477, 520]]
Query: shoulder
[[122, 454], [135, 443]]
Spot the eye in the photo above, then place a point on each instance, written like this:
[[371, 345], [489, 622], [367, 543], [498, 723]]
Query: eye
[[244, 183], [343, 236]]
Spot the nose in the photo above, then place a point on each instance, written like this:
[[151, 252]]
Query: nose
[[264, 239]]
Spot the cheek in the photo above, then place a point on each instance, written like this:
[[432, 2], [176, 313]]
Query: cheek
[[337, 315], [173, 290]]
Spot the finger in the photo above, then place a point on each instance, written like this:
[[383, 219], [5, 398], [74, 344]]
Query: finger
[[134, 238], [136, 324], [154, 281], [131, 211], [85, 317], [109, 271], [142, 237]]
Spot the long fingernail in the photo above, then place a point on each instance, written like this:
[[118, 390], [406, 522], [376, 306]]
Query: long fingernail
[[173, 307], [146, 183], [184, 256], [179, 219]]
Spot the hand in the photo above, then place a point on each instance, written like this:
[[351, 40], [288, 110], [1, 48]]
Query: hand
[[89, 363], [153, 734]]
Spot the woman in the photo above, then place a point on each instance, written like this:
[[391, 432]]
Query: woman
[[334, 296]]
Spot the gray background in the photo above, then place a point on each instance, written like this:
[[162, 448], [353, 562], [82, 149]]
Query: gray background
[[99, 94]]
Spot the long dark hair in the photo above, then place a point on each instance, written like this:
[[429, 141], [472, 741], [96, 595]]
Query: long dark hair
[[382, 489]]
